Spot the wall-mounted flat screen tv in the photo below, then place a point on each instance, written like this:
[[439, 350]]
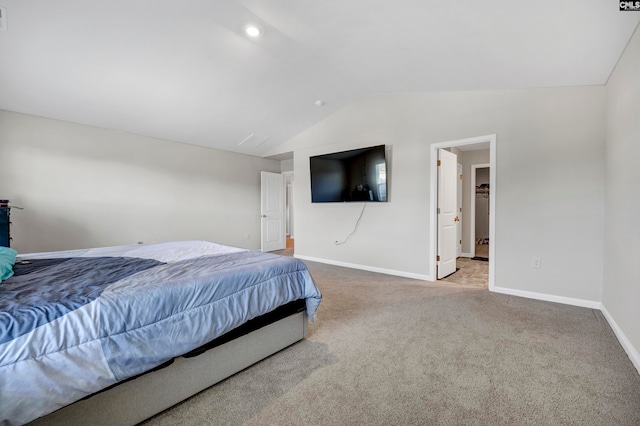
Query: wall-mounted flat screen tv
[[355, 175]]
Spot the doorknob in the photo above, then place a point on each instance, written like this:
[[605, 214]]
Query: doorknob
[[263, 215], [456, 219]]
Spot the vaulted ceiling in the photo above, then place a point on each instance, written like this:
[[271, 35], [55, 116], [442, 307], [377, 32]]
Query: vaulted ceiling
[[186, 70]]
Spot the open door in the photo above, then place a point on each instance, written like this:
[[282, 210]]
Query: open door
[[272, 212], [459, 208], [447, 212]]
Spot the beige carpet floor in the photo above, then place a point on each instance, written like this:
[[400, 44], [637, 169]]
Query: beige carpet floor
[[388, 350]]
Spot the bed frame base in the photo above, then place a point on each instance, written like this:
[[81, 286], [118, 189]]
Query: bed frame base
[[136, 400]]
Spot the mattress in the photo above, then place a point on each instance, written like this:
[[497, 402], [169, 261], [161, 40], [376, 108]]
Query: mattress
[[75, 322]]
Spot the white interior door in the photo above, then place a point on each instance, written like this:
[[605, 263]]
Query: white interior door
[[459, 207], [447, 212], [272, 212]]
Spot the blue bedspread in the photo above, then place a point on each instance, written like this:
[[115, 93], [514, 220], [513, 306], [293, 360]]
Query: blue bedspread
[[83, 324], [42, 293]]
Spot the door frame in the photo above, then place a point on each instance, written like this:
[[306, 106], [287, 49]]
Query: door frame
[[288, 206], [433, 228]]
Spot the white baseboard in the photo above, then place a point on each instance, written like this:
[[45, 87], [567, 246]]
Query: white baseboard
[[367, 268], [466, 255], [632, 352], [549, 297]]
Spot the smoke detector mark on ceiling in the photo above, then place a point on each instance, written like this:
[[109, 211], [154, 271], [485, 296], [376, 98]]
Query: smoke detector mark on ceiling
[[3, 19]]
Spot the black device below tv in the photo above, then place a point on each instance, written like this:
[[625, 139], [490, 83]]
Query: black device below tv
[[355, 175]]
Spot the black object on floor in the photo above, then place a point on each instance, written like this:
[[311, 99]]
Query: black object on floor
[[486, 259]]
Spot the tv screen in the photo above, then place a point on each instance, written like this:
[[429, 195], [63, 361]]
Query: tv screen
[[356, 175]]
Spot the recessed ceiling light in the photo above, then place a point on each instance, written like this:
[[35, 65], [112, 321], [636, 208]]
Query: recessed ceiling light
[[252, 31]]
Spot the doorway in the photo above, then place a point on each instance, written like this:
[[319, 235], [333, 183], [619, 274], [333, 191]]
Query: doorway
[[469, 144], [480, 211], [289, 217]]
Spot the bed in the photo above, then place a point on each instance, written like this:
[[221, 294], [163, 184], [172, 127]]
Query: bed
[[118, 334]]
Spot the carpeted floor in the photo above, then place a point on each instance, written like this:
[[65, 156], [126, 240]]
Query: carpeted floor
[[388, 350]]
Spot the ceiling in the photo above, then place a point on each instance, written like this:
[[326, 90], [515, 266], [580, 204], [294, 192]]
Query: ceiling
[[186, 71]]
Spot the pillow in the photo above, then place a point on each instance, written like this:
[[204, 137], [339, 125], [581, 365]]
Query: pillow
[[7, 260]]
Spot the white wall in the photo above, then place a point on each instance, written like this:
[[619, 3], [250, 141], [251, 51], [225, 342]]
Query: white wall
[[84, 187], [549, 200], [286, 165], [621, 290]]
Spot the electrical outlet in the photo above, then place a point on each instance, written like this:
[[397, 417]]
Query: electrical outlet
[[536, 262], [247, 236]]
